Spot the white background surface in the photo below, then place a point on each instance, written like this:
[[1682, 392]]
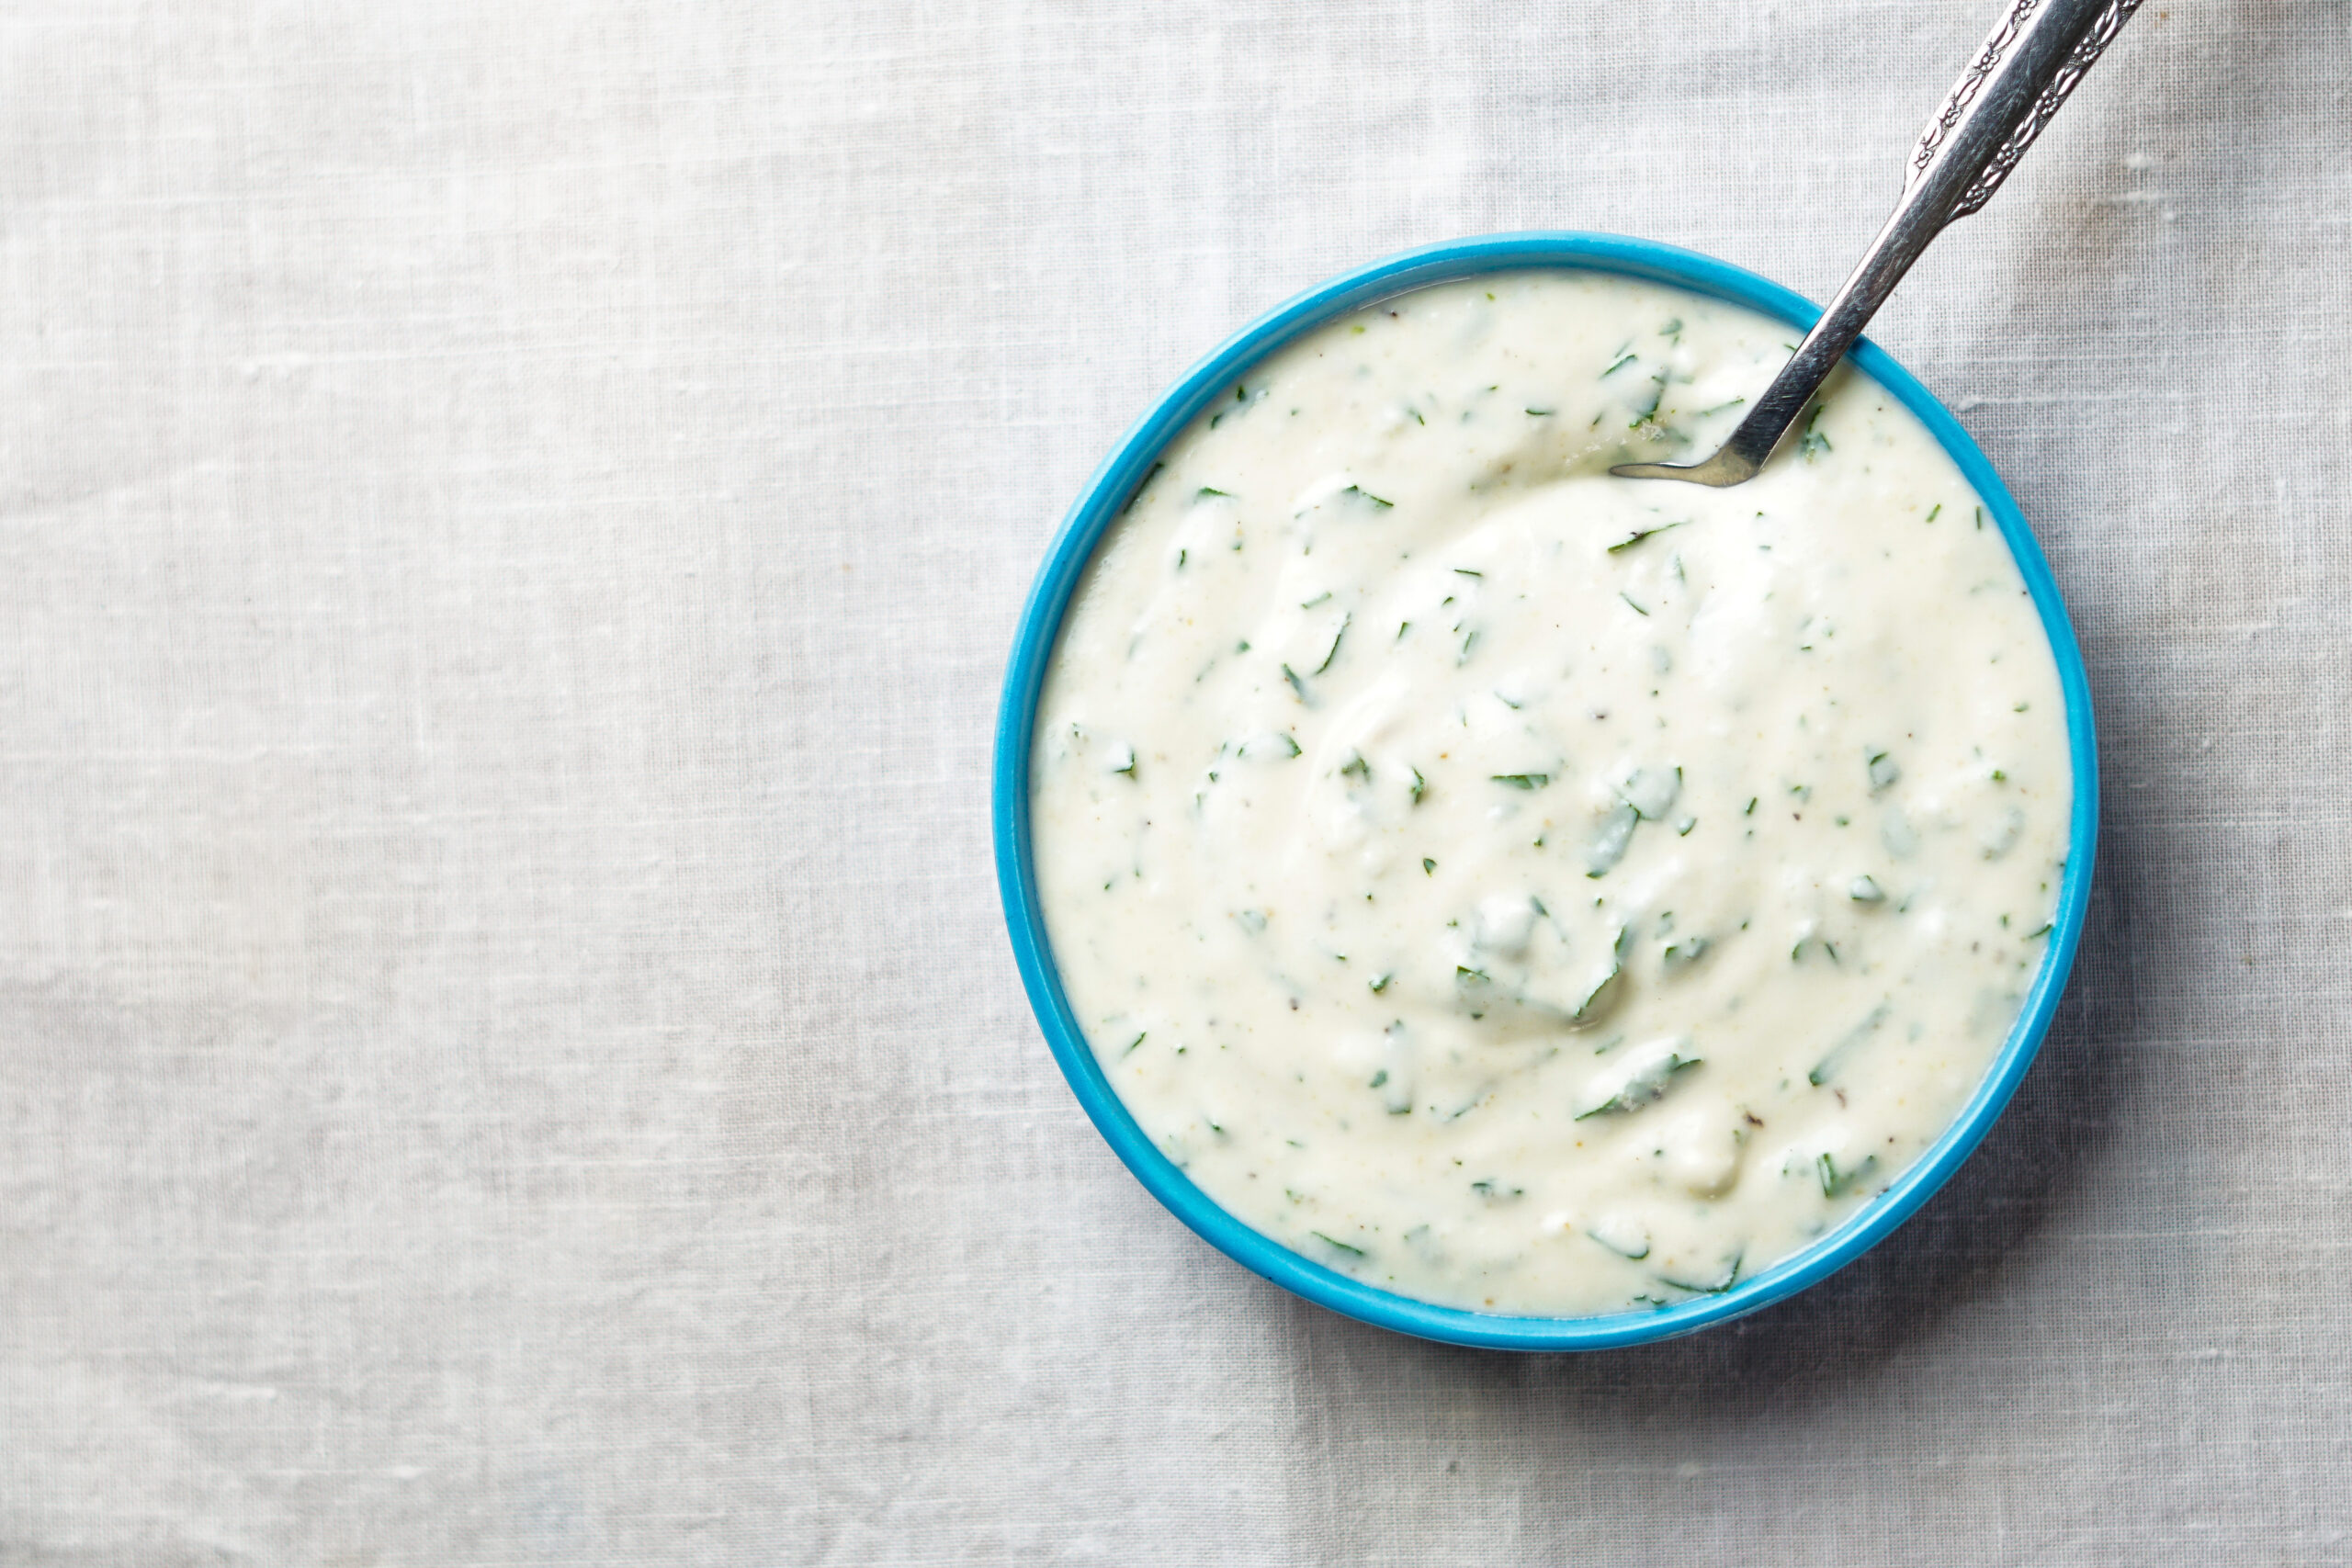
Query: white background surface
[[510, 521]]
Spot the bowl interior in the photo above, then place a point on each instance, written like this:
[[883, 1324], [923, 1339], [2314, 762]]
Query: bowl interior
[[1100, 504]]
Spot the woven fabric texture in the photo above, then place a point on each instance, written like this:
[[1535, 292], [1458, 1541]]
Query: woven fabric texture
[[511, 519]]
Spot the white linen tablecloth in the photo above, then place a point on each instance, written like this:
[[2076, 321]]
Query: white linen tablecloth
[[510, 517]]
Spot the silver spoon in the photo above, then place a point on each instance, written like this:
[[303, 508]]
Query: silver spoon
[[1999, 104]]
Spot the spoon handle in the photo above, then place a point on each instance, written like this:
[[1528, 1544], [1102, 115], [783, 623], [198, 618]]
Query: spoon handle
[[2012, 86]]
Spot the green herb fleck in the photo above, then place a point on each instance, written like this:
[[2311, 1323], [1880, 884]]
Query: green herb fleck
[[1836, 1183], [1834, 1057], [1343, 1246], [1523, 781], [1345, 620], [1638, 535], [1142, 485], [1645, 1087], [1715, 1289], [1814, 443], [1643, 416]]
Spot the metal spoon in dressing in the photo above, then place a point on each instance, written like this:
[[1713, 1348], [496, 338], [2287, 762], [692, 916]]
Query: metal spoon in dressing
[[2010, 90]]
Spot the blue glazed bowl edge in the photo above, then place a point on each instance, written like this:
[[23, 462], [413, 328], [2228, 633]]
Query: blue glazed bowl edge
[[1100, 503]]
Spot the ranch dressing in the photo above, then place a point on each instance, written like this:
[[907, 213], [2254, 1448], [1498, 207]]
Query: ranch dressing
[[1530, 890]]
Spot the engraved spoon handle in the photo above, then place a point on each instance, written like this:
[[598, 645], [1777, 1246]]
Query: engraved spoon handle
[[2011, 88]]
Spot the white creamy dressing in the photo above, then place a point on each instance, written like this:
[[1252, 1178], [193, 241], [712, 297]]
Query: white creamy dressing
[[1531, 890]]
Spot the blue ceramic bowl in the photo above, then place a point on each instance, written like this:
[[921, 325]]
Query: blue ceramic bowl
[[1098, 505]]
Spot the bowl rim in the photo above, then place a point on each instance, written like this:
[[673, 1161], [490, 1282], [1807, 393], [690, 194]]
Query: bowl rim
[[1105, 496]]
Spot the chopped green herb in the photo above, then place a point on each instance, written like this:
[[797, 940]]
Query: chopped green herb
[[1609, 840], [1523, 781], [1616, 368], [1836, 1183], [1297, 684], [1629, 599], [1420, 786], [1428, 866], [1380, 981], [1358, 490], [1141, 485], [1643, 416], [1345, 620], [1936, 511], [1834, 1057], [1645, 1087], [1619, 1246], [1343, 1246], [1814, 443], [1715, 1289], [1466, 571], [1688, 951], [1651, 792], [1208, 490], [1638, 535]]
